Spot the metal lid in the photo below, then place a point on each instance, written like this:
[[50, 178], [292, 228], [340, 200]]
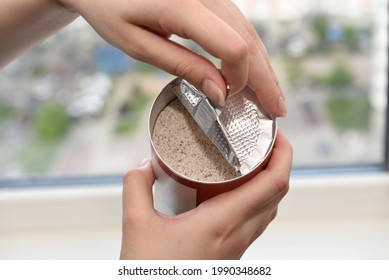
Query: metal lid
[[242, 131]]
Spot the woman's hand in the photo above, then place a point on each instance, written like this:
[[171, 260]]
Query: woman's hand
[[222, 227], [142, 28]]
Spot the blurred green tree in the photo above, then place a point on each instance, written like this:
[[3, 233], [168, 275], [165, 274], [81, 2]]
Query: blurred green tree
[[51, 122], [320, 27], [349, 112], [339, 76], [5, 111]]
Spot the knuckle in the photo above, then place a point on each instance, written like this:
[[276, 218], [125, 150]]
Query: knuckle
[[251, 33], [274, 214], [129, 216], [132, 218], [136, 50], [222, 233], [274, 75], [252, 37], [251, 30], [282, 183], [186, 68], [244, 243], [238, 50], [129, 175]]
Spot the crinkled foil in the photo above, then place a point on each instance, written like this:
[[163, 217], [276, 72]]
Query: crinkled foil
[[241, 130]]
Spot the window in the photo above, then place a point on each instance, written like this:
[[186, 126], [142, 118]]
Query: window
[[331, 59], [74, 110], [74, 107]]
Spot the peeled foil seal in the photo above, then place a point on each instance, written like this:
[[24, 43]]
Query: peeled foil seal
[[242, 131]]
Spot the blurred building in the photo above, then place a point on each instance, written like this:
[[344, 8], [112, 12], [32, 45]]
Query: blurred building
[[111, 60], [287, 10]]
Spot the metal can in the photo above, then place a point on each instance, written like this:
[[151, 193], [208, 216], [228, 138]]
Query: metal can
[[242, 131]]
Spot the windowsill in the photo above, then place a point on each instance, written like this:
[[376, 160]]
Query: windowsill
[[309, 196], [34, 222]]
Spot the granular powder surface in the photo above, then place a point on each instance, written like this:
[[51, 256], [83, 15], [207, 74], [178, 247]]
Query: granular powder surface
[[186, 149]]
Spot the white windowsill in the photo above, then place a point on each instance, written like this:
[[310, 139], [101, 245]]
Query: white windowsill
[[322, 217]]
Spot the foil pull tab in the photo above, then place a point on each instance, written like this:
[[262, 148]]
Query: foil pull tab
[[242, 130], [206, 114]]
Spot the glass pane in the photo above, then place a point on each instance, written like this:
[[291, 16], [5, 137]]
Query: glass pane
[[331, 59], [75, 106]]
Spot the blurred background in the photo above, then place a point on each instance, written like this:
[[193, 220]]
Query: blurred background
[[73, 113]]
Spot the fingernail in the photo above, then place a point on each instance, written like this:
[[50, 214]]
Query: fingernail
[[282, 107], [211, 90], [144, 162]]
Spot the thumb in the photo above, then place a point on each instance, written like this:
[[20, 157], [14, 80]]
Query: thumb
[[137, 188]]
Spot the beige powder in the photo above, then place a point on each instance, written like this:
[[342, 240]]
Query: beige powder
[[185, 148]]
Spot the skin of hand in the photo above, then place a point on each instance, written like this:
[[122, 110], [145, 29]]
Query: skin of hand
[[142, 29], [24, 23], [222, 227]]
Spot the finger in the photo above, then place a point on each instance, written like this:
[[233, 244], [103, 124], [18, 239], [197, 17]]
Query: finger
[[259, 230], [143, 34], [255, 225], [222, 41], [264, 225], [177, 60], [228, 14], [137, 189], [262, 77], [261, 47], [193, 20], [270, 184], [274, 179], [282, 156], [266, 86]]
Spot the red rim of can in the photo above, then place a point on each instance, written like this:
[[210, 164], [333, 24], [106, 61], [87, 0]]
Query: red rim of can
[[166, 96]]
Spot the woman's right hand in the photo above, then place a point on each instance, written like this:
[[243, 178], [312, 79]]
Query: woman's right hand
[[142, 29]]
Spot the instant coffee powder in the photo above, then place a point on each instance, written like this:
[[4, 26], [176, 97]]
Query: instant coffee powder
[[200, 150], [193, 155]]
